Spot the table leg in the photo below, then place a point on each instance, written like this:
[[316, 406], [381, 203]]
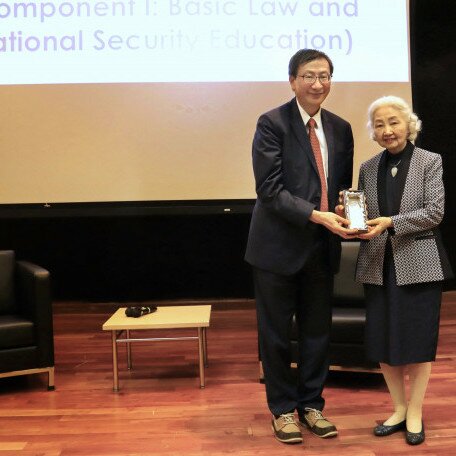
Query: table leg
[[129, 365], [205, 347], [201, 357], [115, 371], [51, 379]]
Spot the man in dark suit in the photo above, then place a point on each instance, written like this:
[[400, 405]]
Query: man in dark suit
[[294, 243]]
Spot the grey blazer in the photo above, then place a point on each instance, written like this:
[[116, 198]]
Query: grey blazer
[[415, 239]]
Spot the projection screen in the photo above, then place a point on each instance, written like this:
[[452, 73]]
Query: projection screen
[[117, 101]]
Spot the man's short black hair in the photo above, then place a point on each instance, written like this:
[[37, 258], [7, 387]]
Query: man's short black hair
[[306, 56]]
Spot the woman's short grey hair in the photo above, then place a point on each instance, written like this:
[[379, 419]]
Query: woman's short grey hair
[[414, 124]]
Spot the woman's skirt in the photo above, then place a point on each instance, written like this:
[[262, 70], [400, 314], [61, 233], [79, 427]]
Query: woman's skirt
[[402, 322]]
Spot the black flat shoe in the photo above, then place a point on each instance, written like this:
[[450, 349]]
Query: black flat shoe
[[383, 430], [415, 438]]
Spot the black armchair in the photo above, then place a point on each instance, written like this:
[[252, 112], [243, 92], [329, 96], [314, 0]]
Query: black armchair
[[346, 351], [26, 331]]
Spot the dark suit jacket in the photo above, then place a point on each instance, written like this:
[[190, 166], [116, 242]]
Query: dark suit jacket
[[288, 188]]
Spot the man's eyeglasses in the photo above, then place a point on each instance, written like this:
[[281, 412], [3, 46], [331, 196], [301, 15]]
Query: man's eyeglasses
[[311, 78]]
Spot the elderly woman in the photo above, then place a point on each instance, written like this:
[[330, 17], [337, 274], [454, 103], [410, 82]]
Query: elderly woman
[[402, 262]]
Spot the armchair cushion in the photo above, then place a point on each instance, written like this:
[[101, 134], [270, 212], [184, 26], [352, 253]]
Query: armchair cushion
[[348, 325], [16, 332]]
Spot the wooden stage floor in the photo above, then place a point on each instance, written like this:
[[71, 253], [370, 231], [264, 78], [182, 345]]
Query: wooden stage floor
[[160, 410]]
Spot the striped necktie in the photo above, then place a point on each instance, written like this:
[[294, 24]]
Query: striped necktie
[[319, 160]]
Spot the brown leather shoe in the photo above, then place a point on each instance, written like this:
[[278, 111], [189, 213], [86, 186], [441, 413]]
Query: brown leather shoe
[[317, 423], [285, 429]]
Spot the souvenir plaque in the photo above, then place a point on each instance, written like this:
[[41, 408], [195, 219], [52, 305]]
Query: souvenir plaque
[[354, 202]]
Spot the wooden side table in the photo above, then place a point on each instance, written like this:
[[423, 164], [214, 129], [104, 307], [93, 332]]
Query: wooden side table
[[167, 317]]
